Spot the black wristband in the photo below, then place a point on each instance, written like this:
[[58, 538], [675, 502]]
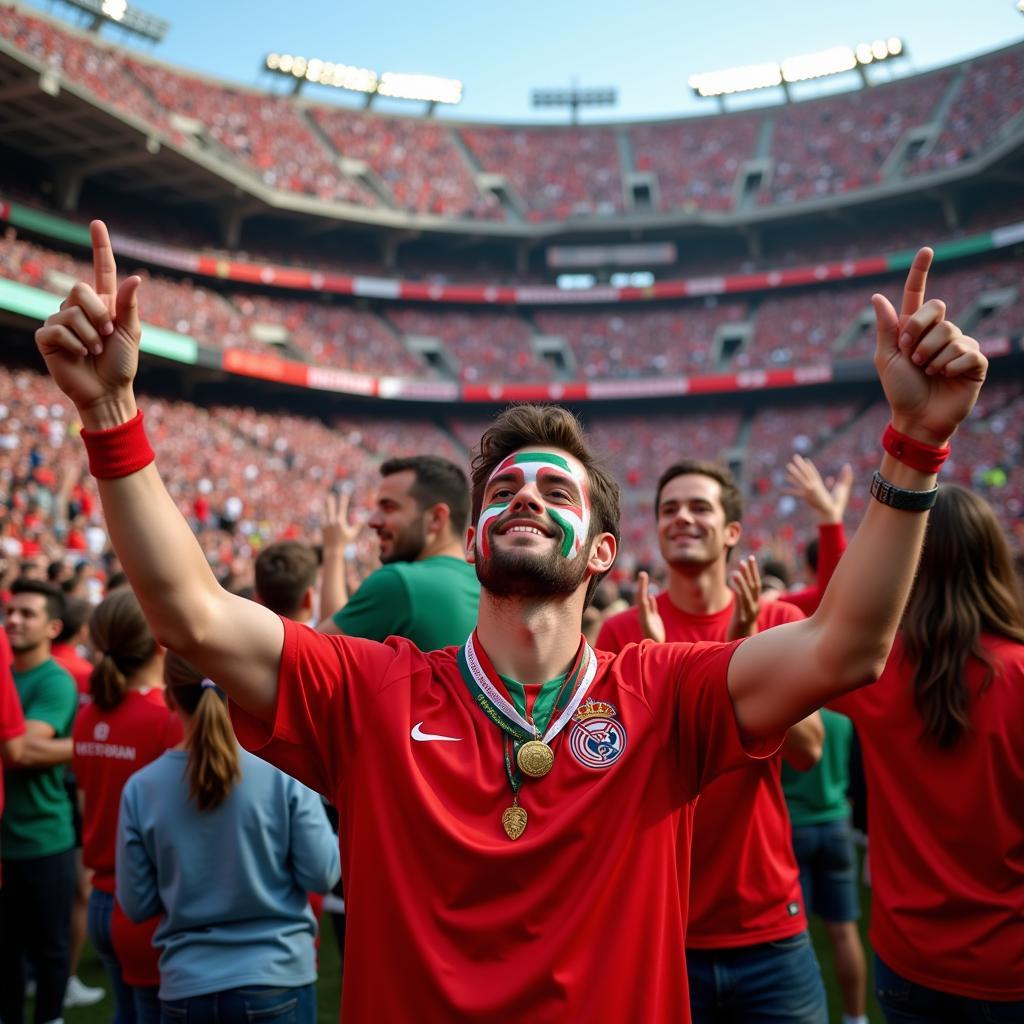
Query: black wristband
[[897, 497]]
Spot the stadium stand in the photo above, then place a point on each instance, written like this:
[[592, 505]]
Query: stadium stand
[[989, 103], [417, 161], [696, 161]]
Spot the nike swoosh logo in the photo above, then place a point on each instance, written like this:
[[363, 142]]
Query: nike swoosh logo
[[425, 737]]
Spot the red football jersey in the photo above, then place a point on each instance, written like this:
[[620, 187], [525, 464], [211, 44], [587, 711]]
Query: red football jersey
[[76, 666], [947, 830], [744, 881], [138, 958], [12, 721], [831, 545], [582, 917], [110, 746]]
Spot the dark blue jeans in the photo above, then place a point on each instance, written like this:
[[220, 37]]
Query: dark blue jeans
[[770, 983], [244, 1006], [132, 1004], [906, 1002], [35, 925]]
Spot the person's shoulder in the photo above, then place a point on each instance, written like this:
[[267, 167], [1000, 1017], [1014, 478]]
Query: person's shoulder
[[775, 613], [623, 621], [157, 773]]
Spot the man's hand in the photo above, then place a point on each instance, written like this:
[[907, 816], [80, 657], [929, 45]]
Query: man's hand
[[930, 371], [651, 623], [745, 583], [828, 500], [336, 531], [91, 346]]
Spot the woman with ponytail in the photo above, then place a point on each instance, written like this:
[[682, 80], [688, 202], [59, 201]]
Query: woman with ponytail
[[125, 726], [943, 740], [226, 847]]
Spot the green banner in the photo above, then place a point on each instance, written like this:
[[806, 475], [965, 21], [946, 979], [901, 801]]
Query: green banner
[[36, 304], [48, 224]]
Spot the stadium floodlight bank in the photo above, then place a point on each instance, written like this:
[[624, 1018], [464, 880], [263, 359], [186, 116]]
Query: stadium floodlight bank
[[120, 13], [803, 68], [397, 85], [574, 98]]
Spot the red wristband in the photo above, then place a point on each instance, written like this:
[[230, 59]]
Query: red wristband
[[119, 451], [926, 458]]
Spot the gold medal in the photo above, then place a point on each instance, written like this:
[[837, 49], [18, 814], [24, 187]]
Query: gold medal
[[535, 758], [513, 820]]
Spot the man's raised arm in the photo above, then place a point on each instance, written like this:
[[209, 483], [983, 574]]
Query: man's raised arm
[[91, 348], [931, 375]]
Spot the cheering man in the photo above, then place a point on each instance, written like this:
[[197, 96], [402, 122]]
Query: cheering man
[[748, 952], [511, 809]]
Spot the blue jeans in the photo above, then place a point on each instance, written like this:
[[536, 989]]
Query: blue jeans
[[906, 1002], [132, 1004], [828, 869], [249, 1005], [771, 983]]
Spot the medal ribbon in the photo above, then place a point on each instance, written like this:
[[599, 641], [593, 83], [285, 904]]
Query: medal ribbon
[[485, 685]]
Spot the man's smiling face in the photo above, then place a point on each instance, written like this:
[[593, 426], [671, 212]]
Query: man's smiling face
[[532, 533]]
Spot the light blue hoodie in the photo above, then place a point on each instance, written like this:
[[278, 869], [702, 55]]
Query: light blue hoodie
[[231, 882]]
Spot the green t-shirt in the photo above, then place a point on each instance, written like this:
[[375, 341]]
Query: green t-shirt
[[37, 814], [433, 602], [819, 795]]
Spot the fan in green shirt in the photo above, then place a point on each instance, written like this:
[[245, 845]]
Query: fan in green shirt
[[37, 814], [425, 590]]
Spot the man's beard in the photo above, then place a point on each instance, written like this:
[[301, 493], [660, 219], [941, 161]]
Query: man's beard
[[408, 545], [529, 574]]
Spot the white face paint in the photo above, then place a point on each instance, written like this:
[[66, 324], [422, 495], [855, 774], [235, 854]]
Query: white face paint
[[571, 516]]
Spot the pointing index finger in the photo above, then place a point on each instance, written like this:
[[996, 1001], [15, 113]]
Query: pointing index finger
[[103, 265], [917, 279]]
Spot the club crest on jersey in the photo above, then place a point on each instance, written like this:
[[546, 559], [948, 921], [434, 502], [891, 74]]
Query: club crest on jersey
[[598, 738]]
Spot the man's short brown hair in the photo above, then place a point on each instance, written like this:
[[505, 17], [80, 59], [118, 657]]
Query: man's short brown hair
[[732, 500], [549, 426], [284, 572]]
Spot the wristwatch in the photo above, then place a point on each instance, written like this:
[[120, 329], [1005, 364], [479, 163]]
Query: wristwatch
[[900, 498]]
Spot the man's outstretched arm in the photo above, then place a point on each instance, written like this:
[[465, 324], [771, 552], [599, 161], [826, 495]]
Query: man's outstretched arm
[[91, 348], [931, 375]]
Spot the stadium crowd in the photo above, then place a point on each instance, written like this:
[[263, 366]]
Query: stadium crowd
[[816, 148], [794, 328], [164, 785]]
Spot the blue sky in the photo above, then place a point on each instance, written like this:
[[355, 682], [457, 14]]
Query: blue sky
[[645, 48]]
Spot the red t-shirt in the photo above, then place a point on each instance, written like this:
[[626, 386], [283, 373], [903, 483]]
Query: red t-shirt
[[582, 917], [110, 746], [137, 957], [831, 545], [744, 881], [947, 830], [76, 666], [12, 721]]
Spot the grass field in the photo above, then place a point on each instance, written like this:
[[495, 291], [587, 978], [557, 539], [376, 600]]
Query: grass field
[[329, 988]]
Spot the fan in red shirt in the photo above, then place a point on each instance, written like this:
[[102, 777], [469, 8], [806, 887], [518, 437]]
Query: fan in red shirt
[[511, 809], [746, 921], [65, 647], [12, 721], [124, 727], [943, 738]]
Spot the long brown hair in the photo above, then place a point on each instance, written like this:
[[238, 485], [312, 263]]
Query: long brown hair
[[213, 763], [124, 643], [965, 586]]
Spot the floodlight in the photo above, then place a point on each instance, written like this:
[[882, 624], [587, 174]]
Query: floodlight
[[817, 65], [426, 88], [801, 68], [125, 16]]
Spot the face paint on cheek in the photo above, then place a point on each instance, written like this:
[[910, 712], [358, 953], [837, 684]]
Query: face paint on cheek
[[532, 467], [483, 541]]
